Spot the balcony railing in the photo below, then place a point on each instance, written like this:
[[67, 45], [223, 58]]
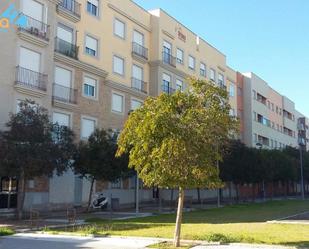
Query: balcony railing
[[168, 89], [169, 59], [139, 50], [139, 85], [30, 79], [64, 94], [36, 28], [71, 6], [66, 48]]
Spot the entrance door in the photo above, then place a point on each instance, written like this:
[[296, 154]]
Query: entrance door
[[8, 193], [78, 190]]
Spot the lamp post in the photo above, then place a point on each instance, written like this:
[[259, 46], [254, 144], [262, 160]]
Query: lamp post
[[260, 146], [301, 171], [136, 186]]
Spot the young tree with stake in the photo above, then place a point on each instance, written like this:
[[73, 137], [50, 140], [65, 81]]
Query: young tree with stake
[[173, 140]]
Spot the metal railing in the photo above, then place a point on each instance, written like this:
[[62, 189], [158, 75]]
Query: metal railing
[[71, 6], [139, 85], [30, 79], [168, 89], [64, 94], [139, 50], [169, 59], [66, 48], [36, 28]]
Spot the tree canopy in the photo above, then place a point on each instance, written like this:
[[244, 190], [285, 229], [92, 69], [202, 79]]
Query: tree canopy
[[176, 140], [32, 146]]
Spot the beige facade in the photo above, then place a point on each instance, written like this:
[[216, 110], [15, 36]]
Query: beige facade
[[269, 118], [90, 62]]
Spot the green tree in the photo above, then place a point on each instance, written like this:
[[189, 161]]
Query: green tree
[[95, 160], [175, 140], [33, 147]]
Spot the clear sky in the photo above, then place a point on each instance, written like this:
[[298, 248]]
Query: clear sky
[[267, 37]]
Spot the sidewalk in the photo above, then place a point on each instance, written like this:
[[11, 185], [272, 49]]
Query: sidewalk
[[46, 241]]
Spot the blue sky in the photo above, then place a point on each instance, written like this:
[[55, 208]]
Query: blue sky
[[267, 37]]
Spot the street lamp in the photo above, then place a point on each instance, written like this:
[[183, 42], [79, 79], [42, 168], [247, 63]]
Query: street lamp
[[260, 146], [136, 185], [301, 171]]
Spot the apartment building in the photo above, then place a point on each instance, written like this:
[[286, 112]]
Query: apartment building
[[269, 119], [90, 62], [177, 54]]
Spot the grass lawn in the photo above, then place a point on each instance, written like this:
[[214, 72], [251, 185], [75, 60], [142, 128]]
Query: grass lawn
[[239, 223]]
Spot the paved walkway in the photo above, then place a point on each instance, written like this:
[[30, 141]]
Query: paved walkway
[[46, 241]]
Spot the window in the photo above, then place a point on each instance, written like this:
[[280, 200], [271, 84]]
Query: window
[[179, 85], [118, 65], [179, 56], [239, 91], [166, 83], [91, 46], [33, 64], [65, 33], [203, 69], [221, 79], [61, 118], [167, 47], [212, 74], [191, 62], [135, 104], [232, 89], [90, 86], [138, 38], [119, 28], [116, 184], [33, 9], [272, 106], [254, 94], [63, 77], [88, 127], [93, 7], [117, 103], [255, 137]]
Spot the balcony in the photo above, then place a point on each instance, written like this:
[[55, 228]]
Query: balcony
[[167, 89], [64, 94], [168, 59], [36, 29], [139, 85], [69, 9], [140, 51], [30, 79], [66, 48]]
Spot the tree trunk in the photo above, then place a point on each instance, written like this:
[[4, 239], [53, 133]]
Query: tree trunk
[[198, 195], [90, 194], [179, 217], [21, 195]]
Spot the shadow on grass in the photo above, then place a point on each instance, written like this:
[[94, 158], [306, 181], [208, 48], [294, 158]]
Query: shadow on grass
[[105, 227], [299, 244], [242, 213]]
